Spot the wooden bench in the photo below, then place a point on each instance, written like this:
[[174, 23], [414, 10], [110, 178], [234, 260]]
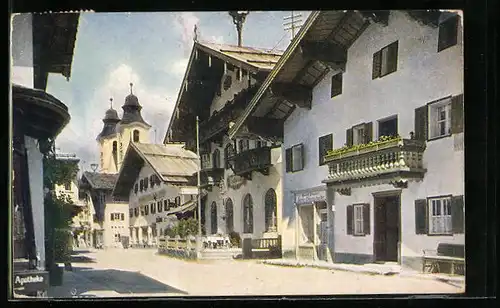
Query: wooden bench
[[268, 246], [450, 254]]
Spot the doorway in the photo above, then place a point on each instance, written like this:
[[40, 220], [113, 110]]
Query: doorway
[[387, 228]]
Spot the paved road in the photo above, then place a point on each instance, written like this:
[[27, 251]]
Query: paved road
[[136, 272]]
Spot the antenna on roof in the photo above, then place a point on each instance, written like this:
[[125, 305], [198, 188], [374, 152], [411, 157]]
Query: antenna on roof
[[238, 19], [292, 23], [111, 103]]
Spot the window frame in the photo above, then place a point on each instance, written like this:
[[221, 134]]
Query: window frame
[[386, 119], [431, 123], [358, 208], [321, 139], [449, 217], [336, 80], [293, 168], [355, 134], [385, 63]]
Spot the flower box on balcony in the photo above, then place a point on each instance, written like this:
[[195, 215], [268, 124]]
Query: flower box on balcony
[[345, 152]]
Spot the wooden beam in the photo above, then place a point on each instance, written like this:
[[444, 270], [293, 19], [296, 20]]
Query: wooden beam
[[294, 93], [330, 54]]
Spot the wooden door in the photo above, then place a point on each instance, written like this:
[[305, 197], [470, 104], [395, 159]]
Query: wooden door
[[379, 230], [392, 228]]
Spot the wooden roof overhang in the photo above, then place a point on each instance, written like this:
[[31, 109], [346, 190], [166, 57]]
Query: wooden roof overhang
[[319, 47], [54, 38], [201, 83], [37, 113]]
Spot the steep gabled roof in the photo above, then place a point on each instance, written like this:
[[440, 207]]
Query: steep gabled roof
[[170, 162], [104, 181]]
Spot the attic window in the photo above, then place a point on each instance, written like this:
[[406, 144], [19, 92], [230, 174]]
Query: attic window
[[227, 82]]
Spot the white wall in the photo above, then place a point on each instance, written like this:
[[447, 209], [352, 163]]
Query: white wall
[[116, 226], [423, 75], [35, 171], [22, 50]]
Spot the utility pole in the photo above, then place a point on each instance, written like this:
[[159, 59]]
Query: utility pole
[[198, 180], [292, 23]]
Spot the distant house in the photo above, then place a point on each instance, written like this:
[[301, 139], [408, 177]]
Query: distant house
[[110, 215], [373, 145], [41, 44], [242, 177], [158, 181]]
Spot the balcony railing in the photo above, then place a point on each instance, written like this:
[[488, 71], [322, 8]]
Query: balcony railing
[[395, 156], [252, 160]]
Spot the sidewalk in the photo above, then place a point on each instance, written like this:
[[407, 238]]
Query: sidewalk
[[371, 269]]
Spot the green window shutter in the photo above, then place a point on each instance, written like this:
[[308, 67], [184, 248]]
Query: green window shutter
[[288, 159], [377, 64], [457, 114], [368, 132], [366, 218], [457, 214], [392, 57], [348, 138], [350, 219], [421, 220], [421, 123]]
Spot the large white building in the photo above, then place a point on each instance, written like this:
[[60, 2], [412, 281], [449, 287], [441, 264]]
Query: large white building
[[356, 80], [242, 177]]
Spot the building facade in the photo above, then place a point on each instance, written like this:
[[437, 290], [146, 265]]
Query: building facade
[[241, 178], [374, 148], [158, 182]]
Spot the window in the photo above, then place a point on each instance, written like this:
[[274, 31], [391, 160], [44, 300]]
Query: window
[[228, 153], [122, 216], [141, 182], [388, 127], [159, 205], [213, 218], [153, 208], [228, 80], [131, 213], [136, 212], [295, 158], [440, 118], [448, 31], [336, 85], [359, 134], [216, 159], [440, 216], [112, 216], [325, 144], [152, 181], [117, 237], [243, 145], [248, 214], [271, 220], [146, 210], [177, 201], [143, 210], [146, 183], [358, 219], [136, 135], [67, 186], [385, 61], [166, 205], [229, 215], [136, 188]]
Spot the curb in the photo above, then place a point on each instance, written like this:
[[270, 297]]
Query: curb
[[457, 282]]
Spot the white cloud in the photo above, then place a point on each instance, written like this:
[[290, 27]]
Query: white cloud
[[179, 67], [157, 106], [184, 22]]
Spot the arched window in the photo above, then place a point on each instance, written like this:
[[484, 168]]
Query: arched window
[[229, 216], [136, 135], [213, 218], [216, 159], [271, 211], [228, 153], [115, 153], [248, 214]]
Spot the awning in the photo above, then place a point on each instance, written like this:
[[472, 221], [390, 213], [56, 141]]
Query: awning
[[186, 207]]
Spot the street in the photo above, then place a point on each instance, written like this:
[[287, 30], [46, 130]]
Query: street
[[141, 272]]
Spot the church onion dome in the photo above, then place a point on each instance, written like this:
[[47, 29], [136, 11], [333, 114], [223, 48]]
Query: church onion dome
[[110, 120], [132, 109]]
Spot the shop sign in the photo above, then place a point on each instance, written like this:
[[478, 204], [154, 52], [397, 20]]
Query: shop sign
[[31, 281], [310, 197]]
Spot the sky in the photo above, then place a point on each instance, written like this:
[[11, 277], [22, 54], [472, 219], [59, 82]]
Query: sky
[[151, 50]]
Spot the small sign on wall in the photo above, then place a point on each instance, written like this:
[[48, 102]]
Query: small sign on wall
[[31, 281]]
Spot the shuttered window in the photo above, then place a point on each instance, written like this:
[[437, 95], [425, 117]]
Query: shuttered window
[[421, 124], [439, 215], [439, 121], [159, 206], [288, 159], [295, 158], [385, 61], [336, 85], [359, 134], [358, 219], [325, 144], [448, 31], [457, 114]]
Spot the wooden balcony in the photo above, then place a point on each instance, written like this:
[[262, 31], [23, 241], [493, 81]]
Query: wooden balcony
[[211, 174], [392, 161], [258, 159]]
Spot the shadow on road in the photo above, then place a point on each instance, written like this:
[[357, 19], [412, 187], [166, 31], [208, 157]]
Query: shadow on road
[[122, 282]]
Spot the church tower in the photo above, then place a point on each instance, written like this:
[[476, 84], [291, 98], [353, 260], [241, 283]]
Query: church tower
[[132, 127], [108, 141]]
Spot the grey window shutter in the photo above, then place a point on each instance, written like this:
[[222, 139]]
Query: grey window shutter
[[366, 218], [348, 137], [421, 221], [457, 114], [377, 63], [325, 144], [421, 123], [368, 132], [350, 219], [393, 57], [302, 157], [288, 159], [457, 214]]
